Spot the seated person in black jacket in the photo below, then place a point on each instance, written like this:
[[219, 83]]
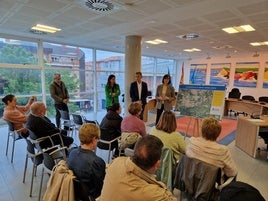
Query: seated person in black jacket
[[112, 122], [38, 123], [86, 165]]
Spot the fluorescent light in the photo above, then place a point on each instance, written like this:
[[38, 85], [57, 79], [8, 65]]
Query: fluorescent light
[[259, 43], [45, 28], [247, 28], [156, 41], [192, 50], [230, 30], [238, 29]]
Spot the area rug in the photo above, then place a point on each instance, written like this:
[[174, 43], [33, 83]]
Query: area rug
[[227, 134]]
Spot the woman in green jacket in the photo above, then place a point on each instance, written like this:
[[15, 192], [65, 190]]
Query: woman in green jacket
[[112, 91]]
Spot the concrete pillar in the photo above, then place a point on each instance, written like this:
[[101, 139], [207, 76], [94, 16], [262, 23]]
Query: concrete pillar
[[132, 64]]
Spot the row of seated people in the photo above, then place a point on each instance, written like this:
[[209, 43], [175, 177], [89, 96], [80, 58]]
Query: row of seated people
[[235, 93], [138, 166]]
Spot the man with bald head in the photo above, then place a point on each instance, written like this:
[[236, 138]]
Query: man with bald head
[[133, 178], [38, 123]]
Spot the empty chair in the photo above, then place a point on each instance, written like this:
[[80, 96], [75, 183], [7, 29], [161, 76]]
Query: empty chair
[[67, 123], [263, 99], [15, 135], [234, 93], [248, 97], [79, 120], [108, 141]]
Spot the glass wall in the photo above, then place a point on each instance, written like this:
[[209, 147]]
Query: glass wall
[[84, 71]]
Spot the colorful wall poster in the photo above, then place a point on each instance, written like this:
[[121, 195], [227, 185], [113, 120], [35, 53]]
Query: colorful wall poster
[[219, 74], [201, 100], [198, 73], [246, 74], [265, 77]]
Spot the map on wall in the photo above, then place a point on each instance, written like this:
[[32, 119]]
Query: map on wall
[[198, 73], [201, 100], [219, 74], [246, 74]]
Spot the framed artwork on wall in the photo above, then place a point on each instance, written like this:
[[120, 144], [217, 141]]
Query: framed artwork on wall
[[198, 73], [219, 74], [246, 74], [265, 76]]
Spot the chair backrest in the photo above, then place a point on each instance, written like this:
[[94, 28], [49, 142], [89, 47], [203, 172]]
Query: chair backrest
[[166, 170], [248, 97], [64, 115], [10, 125], [263, 99], [107, 137], [80, 191], [37, 158], [197, 178], [77, 119], [234, 93]]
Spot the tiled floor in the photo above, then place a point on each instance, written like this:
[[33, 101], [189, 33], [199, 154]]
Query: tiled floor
[[252, 171]]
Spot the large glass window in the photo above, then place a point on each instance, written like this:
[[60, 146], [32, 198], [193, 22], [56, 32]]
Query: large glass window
[[18, 52]]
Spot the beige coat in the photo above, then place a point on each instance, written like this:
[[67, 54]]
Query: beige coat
[[169, 93], [124, 181]]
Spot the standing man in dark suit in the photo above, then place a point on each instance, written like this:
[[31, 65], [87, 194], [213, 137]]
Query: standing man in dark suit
[[139, 91], [59, 93]]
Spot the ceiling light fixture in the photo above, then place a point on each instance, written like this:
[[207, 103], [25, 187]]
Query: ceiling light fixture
[[259, 43], [45, 28], [156, 41], [189, 36], [238, 29], [228, 56], [192, 50], [256, 54]]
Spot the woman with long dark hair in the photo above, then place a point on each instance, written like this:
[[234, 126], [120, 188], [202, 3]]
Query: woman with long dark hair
[[112, 91]]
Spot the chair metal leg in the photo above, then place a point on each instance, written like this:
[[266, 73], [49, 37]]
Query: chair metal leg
[[13, 147], [25, 168], [7, 142], [41, 184], [33, 172], [109, 152]]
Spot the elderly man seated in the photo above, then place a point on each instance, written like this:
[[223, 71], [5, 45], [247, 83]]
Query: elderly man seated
[[38, 123]]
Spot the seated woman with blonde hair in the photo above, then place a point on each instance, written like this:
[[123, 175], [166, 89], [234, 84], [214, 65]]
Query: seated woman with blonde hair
[[165, 130]]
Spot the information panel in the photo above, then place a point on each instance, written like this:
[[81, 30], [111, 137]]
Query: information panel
[[201, 100]]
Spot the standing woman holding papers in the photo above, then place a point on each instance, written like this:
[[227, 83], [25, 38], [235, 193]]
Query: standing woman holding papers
[[165, 94], [112, 91]]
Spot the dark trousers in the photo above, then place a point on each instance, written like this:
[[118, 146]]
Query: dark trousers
[[58, 107], [158, 113], [142, 111]]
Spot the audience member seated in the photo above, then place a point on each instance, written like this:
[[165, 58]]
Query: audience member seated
[[38, 123], [206, 148], [132, 127], [112, 121], [16, 114], [133, 178], [166, 132], [86, 165]]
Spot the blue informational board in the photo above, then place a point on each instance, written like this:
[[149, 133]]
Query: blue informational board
[[201, 100]]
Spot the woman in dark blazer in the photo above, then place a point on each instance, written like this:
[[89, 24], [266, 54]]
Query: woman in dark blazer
[[165, 94]]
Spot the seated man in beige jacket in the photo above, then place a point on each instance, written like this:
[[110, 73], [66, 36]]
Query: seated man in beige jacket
[[133, 178]]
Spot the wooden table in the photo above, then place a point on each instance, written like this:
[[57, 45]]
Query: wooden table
[[247, 133], [245, 106]]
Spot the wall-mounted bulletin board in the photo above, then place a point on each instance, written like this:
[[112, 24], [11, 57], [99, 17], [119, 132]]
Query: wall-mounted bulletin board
[[246, 74], [198, 73], [201, 100], [265, 76], [219, 74]]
